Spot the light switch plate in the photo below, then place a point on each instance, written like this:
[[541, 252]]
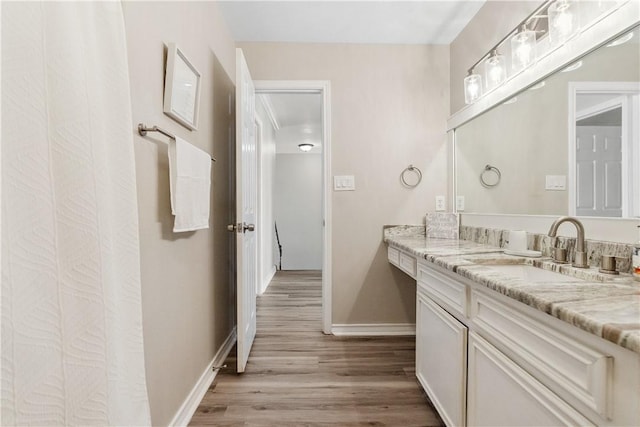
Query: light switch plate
[[440, 203], [555, 182], [344, 183], [459, 203]]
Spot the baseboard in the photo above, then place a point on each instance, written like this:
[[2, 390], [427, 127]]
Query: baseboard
[[374, 329], [189, 406], [265, 283]]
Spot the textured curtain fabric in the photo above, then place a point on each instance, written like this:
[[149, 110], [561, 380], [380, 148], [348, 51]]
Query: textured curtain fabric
[[72, 350]]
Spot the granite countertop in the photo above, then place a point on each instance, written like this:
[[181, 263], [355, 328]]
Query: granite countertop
[[604, 305]]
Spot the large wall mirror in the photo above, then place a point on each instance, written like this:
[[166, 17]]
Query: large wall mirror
[[568, 145]]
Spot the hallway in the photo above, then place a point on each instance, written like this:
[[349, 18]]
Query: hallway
[[296, 375]]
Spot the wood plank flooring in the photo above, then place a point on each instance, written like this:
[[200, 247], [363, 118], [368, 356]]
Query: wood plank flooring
[[297, 376]]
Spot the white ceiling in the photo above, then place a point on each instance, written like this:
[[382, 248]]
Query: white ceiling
[[329, 21], [298, 117], [293, 109]]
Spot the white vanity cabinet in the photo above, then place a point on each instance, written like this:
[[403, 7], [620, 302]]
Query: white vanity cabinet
[[503, 394], [404, 261], [441, 358], [488, 360]]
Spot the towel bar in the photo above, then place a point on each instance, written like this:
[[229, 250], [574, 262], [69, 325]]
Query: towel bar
[[142, 130]]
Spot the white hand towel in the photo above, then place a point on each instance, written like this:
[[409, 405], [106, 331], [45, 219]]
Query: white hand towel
[[190, 179]]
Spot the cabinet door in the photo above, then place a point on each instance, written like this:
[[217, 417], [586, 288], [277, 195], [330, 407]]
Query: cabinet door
[[503, 394], [441, 359]]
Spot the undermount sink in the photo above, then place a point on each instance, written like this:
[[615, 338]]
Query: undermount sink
[[530, 273]]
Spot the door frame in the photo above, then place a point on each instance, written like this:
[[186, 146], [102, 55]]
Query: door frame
[[322, 87], [630, 133], [260, 197]]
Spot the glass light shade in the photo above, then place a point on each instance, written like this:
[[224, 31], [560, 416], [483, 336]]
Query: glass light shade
[[563, 20], [472, 88], [305, 147], [495, 68], [523, 49]]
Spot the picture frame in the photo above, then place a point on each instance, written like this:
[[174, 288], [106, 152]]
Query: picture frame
[[181, 88]]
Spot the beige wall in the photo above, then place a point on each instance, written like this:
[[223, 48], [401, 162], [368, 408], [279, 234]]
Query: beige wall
[[389, 110], [186, 295], [492, 22]]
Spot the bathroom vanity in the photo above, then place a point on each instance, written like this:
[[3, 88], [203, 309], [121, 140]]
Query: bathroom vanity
[[503, 340]]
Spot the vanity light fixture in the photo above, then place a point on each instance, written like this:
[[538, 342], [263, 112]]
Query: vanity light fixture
[[472, 87], [621, 40], [495, 69], [563, 20], [305, 146], [523, 48]]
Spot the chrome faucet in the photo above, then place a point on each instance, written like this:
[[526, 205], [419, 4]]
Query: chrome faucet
[[580, 255]]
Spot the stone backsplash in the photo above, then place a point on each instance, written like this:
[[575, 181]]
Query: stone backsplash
[[543, 243]]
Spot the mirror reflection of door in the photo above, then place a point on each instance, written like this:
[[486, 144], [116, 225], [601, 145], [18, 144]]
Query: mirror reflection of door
[[599, 163], [607, 153]]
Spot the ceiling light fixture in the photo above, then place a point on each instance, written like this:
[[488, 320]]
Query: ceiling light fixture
[[305, 146]]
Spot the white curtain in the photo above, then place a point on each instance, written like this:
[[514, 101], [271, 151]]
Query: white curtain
[[72, 351]]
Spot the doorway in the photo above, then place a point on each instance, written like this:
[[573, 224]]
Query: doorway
[[293, 124]]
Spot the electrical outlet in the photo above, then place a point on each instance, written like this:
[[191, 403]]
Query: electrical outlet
[[440, 203], [459, 203]]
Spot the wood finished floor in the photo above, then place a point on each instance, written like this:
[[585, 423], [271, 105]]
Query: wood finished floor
[[297, 376]]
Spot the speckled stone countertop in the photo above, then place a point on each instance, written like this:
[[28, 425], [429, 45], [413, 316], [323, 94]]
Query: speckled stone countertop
[[604, 305]]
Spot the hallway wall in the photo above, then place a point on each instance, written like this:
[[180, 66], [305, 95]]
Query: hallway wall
[[389, 109], [187, 297], [297, 209], [267, 169]]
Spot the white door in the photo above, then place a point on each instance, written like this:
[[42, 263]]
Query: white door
[[599, 171], [246, 208]]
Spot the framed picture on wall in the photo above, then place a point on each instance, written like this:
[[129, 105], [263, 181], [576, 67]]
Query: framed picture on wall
[[181, 89]]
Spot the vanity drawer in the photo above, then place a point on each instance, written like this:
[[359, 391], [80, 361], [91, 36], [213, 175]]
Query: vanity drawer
[[408, 264], [449, 293], [393, 255], [562, 363]]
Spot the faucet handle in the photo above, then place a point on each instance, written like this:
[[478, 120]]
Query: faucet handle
[[608, 265], [559, 255]]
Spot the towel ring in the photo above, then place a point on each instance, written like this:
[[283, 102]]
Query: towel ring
[[413, 169], [487, 169]]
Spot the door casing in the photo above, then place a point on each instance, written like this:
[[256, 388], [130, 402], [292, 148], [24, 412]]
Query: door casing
[[322, 87]]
